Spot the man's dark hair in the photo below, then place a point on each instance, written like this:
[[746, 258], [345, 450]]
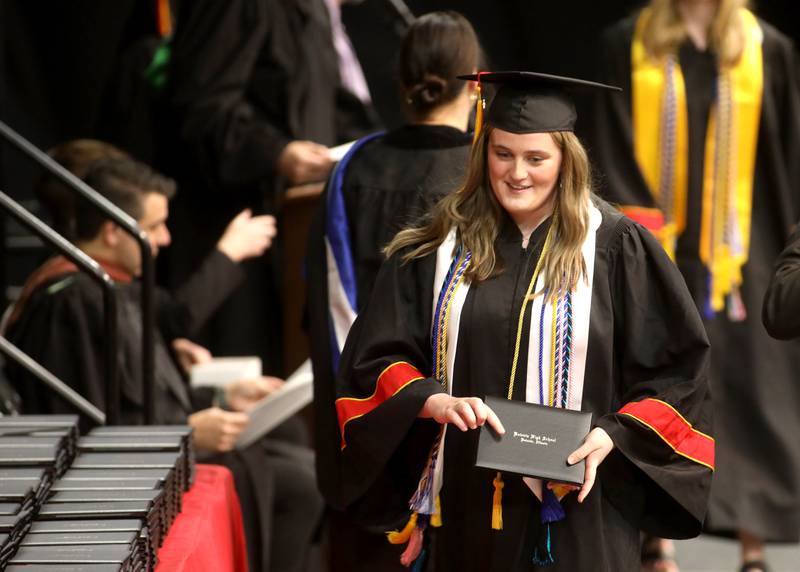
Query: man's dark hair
[[124, 182], [77, 156]]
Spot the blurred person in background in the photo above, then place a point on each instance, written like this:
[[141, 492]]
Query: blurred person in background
[[699, 148], [58, 321], [258, 96], [385, 183]]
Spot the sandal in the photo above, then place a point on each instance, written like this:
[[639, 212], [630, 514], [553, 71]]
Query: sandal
[[754, 566]]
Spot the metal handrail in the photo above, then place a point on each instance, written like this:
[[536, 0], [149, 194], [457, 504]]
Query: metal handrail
[[94, 271], [65, 391], [128, 225]]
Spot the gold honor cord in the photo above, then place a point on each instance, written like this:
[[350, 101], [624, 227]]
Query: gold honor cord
[[441, 354], [525, 301], [497, 498]]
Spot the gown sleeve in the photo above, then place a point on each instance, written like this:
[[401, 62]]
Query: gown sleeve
[[781, 312], [660, 472], [382, 384], [183, 312]]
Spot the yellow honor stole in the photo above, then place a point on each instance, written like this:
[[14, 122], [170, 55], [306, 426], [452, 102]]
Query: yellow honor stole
[[661, 147]]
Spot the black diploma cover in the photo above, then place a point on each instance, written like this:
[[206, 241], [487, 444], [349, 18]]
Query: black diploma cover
[[537, 441]]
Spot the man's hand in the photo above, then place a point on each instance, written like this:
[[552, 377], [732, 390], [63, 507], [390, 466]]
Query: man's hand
[[463, 412], [247, 236], [189, 353], [242, 395], [216, 430], [304, 162], [595, 449]]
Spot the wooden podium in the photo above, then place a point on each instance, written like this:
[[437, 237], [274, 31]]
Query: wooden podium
[[298, 208]]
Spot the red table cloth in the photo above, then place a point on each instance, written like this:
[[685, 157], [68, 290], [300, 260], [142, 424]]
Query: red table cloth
[[208, 534]]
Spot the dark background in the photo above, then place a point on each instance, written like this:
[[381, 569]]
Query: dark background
[[66, 68], [60, 62]]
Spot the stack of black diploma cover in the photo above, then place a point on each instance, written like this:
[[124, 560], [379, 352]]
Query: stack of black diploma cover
[[100, 502]]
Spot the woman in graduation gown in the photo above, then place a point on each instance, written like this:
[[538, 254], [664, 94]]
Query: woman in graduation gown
[[524, 285], [387, 181], [698, 148]]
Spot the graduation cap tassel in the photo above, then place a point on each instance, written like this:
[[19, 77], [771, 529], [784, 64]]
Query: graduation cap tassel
[[543, 553], [479, 105], [419, 563], [414, 549], [552, 511], [403, 536], [497, 502]]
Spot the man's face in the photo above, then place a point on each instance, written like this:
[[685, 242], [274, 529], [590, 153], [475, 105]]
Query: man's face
[[154, 221], [155, 207]]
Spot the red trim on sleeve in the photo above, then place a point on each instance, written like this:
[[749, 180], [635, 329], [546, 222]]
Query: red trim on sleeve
[[676, 432], [390, 381], [651, 219]]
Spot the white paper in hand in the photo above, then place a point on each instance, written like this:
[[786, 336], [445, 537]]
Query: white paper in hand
[[278, 406], [338, 152], [221, 371]]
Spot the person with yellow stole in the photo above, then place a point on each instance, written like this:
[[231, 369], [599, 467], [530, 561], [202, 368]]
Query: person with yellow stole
[[698, 148]]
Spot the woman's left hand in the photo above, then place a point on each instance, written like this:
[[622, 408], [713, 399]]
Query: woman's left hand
[[595, 449]]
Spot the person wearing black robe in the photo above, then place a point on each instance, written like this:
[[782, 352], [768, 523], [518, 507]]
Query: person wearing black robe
[[58, 321], [756, 488], [644, 374], [255, 100], [781, 311], [388, 182]]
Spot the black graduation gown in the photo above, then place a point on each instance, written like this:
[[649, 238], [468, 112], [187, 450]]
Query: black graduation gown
[[757, 483], [61, 326], [781, 312], [391, 181], [645, 340]]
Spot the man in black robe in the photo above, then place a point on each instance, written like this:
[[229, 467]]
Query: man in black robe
[[256, 98], [756, 487], [59, 322]]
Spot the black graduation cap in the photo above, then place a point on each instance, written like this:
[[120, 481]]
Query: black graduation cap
[[530, 102]]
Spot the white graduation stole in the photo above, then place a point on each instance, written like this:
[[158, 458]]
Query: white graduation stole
[[541, 386]]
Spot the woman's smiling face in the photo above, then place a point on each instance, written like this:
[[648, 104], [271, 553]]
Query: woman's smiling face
[[523, 172]]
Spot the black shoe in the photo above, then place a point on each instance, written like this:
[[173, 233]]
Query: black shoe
[[754, 566]]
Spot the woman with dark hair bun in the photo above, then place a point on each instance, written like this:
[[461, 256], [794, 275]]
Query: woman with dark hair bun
[[384, 183], [438, 47]]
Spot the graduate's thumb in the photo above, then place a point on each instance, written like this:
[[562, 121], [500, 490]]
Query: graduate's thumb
[[579, 454]]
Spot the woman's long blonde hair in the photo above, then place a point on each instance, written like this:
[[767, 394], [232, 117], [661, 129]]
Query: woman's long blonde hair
[[665, 31], [477, 217]]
